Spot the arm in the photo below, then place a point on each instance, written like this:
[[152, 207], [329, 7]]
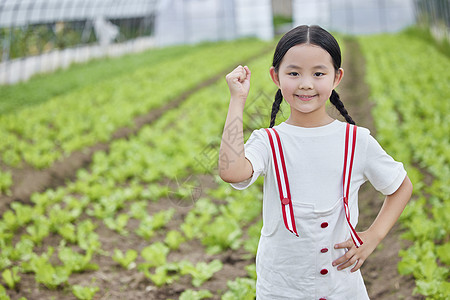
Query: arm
[[233, 166], [391, 210]]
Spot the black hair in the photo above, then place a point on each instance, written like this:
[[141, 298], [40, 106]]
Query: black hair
[[314, 35]]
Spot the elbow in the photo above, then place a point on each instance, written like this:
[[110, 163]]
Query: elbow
[[236, 173], [225, 173], [223, 177], [228, 178]]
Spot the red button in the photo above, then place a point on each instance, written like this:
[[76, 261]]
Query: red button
[[324, 271], [324, 225], [324, 250], [285, 201], [322, 299]]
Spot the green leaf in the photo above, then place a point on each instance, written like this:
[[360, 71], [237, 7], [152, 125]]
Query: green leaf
[[67, 231], [10, 220], [222, 234], [52, 276], [240, 288], [201, 272], [87, 238], [251, 269], [11, 277], [138, 210], [125, 260], [22, 249], [118, 224], [161, 218], [195, 295], [39, 229], [3, 294], [165, 274], [155, 254], [146, 228], [443, 252], [76, 262], [173, 239], [251, 243], [84, 292]]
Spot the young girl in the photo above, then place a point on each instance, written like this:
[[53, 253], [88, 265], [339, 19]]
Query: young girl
[[313, 167]]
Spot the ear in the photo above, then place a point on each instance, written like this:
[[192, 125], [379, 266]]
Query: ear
[[274, 76], [338, 77]]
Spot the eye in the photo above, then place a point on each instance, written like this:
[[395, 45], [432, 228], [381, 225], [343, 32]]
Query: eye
[[293, 74], [318, 74]]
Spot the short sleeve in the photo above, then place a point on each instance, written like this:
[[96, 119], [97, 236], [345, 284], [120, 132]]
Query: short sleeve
[[383, 172], [257, 153]]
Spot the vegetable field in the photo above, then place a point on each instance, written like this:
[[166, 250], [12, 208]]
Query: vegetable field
[[410, 86], [109, 185]]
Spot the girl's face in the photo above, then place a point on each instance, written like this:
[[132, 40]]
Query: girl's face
[[306, 77]]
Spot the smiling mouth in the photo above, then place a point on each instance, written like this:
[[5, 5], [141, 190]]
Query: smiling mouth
[[305, 97]]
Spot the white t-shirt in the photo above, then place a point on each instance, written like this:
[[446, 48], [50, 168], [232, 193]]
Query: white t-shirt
[[314, 161], [290, 267]]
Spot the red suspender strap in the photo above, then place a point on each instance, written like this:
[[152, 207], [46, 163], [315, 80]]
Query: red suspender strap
[[282, 180], [346, 178]]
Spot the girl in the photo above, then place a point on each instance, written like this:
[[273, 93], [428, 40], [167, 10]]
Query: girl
[[313, 167]]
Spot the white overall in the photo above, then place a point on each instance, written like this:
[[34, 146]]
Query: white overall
[[304, 238]]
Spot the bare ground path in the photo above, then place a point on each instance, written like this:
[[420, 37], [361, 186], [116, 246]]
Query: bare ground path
[[380, 270]]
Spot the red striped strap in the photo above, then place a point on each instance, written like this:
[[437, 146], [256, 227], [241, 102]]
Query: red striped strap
[[346, 178], [282, 180]]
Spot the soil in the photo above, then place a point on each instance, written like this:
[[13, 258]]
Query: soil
[[379, 271]]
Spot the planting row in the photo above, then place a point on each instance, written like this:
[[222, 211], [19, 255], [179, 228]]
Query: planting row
[[117, 192], [409, 84], [41, 88], [41, 135]]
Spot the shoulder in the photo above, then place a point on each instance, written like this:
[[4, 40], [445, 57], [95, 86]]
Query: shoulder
[[363, 138], [366, 138], [363, 133]]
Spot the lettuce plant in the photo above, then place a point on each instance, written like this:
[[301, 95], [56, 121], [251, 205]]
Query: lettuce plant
[[84, 292], [201, 272], [11, 277], [195, 295], [126, 259]]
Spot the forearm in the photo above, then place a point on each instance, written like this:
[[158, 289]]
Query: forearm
[[231, 153], [391, 210]]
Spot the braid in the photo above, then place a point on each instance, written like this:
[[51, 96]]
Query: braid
[[275, 107], [336, 101]]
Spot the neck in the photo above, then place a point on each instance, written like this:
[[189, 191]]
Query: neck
[[309, 120]]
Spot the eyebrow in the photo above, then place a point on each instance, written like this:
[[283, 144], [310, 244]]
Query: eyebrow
[[315, 67]]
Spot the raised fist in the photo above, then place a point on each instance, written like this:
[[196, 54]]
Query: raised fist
[[239, 82]]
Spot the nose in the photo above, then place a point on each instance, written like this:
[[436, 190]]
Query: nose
[[305, 83]]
